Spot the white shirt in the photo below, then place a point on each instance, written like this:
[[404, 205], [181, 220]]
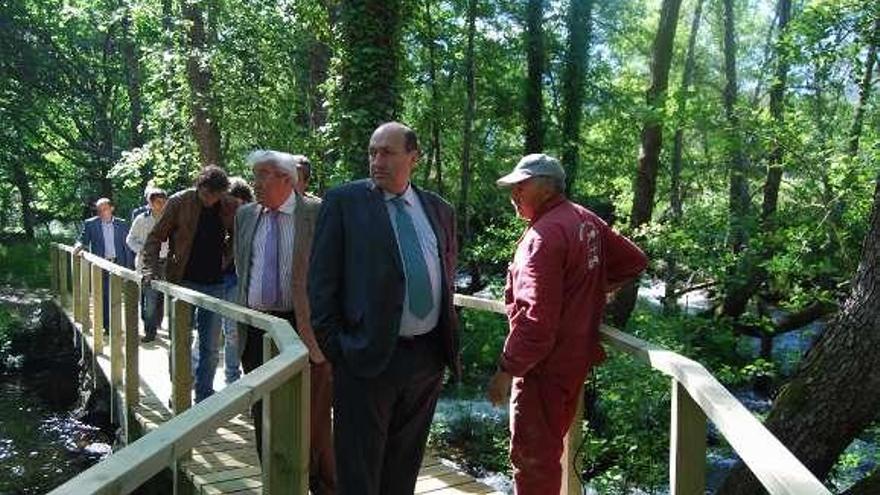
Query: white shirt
[[137, 237], [410, 324], [107, 228], [285, 258]]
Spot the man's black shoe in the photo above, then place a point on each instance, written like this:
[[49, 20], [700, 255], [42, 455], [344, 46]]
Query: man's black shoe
[[147, 339]]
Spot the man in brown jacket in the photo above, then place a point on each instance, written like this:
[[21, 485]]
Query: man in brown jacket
[[198, 223], [272, 248]]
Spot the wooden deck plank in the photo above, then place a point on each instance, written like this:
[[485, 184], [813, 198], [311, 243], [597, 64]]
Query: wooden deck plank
[[231, 486], [231, 474]]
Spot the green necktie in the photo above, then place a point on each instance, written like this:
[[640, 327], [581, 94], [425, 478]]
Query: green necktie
[[418, 285]]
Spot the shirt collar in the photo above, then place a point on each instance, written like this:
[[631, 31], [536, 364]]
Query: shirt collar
[[547, 206], [408, 195], [288, 206]]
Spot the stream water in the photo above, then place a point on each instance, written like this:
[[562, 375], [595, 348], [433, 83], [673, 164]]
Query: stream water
[[42, 443]]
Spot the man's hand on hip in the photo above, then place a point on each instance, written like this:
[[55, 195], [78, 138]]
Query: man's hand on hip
[[499, 388]]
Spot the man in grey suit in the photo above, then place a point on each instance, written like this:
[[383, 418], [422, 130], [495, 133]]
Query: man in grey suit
[[273, 239], [380, 287]]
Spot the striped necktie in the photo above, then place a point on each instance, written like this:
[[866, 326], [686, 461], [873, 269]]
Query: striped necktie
[[269, 289]]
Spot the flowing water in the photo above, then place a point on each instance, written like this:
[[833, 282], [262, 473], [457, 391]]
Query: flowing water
[[42, 443]]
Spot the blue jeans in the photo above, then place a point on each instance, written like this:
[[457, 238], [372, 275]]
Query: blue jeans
[[207, 352], [152, 304], [231, 346], [151, 311]]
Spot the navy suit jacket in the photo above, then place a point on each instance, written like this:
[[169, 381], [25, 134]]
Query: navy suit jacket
[[356, 278], [92, 238]]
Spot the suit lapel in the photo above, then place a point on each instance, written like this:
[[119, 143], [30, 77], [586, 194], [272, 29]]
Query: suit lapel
[[99, 237], [376, 203], [300, 236], [250, 216], [249, 228]]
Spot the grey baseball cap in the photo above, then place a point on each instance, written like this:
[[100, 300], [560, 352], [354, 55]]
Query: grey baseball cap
[[534, 165]]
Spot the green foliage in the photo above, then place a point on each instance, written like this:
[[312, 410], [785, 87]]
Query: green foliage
[[482, 338], [477, 442], [25, 265]]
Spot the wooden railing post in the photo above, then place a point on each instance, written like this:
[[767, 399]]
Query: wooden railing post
[[687, 445], [53, 269], [85, 273], [116, 356], [63, 286], [166, 312], [571, 477], [97, 309], [77, 292], [181, 356], [132, 378], [286, 420]]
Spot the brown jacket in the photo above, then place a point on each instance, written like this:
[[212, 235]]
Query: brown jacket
[[178, 224], [305, 217]]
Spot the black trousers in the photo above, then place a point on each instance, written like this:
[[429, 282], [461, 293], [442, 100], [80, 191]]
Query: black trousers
[[381, 424]]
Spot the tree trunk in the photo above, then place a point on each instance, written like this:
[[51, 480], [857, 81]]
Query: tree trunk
[[436, 112], [370, 65], [864, 90], [687, 78], [835, 392], [739, 193], [645, 184], [468, 135], [205, 127], [777, 112], [580, 27], [743, 287], [533, 108], [675, 194], [132, 64], [319, 66], [105, 156], [22, 183]]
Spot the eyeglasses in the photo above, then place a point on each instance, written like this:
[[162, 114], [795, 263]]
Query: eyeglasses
[[264, 175]]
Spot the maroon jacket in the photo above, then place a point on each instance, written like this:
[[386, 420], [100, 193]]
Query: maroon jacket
[[565, 263]]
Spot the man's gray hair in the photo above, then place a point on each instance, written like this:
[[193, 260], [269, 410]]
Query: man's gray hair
[[283, 161], [557, 184], [102, 201]]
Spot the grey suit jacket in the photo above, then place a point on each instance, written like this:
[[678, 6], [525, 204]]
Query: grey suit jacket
[[356, 279], [246, 219]]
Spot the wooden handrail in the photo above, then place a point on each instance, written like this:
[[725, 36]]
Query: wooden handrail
[[769, 460], [697, 395], [283, 379]]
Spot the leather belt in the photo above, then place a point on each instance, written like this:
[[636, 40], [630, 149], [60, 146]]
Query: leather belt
[[410, 341]]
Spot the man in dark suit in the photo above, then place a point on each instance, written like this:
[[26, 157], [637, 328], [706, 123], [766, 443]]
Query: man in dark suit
[[104, 235], [380, 288]]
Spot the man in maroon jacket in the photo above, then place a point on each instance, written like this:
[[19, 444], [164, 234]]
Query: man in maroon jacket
[[566, 262]]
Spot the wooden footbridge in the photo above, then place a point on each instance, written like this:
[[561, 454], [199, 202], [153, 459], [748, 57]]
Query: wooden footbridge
[[209, 448]]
